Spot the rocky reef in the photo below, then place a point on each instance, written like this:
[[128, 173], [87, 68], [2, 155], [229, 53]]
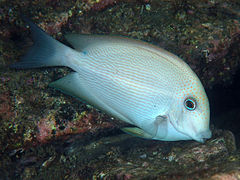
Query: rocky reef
[[46, 134]]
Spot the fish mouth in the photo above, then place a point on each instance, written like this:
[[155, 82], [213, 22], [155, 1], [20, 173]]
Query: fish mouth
[[203, 136]]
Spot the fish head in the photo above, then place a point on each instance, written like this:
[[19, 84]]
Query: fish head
[[191, 112]]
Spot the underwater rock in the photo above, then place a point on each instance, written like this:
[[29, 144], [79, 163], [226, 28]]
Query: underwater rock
[[83, 142], [122, 156], [165, 24], [233, 174]]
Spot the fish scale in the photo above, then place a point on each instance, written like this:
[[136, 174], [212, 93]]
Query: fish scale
[[129, 84]]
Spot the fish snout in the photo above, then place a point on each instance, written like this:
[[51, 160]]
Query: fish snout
[[203, 136]]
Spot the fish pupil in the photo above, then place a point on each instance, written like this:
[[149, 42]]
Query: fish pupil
[[190, 104]]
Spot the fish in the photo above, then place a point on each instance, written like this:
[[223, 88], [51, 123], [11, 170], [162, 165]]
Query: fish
[[151, 89]]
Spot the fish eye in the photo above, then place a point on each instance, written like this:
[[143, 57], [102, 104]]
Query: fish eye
[[190, 104]]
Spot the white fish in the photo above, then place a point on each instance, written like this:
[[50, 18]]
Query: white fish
[[134, 81]]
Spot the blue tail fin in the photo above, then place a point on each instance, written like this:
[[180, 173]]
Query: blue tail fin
[[46, 51]]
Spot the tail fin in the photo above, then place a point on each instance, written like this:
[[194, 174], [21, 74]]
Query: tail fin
[[46, 51]]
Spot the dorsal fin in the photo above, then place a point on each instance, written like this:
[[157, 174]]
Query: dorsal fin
[[82, 41]]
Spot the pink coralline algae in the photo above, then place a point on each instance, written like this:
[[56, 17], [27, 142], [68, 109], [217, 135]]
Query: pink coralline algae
[[45, 128], [221, 48], [97, 5], [102, 4], [6, 111], [55, 26], [48, 129]]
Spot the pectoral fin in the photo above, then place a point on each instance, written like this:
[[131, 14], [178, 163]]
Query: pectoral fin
[[161, 123], [157, 129], [135, 131]]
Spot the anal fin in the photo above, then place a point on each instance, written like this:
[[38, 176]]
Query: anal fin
[[135, 131], [156, 129]]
